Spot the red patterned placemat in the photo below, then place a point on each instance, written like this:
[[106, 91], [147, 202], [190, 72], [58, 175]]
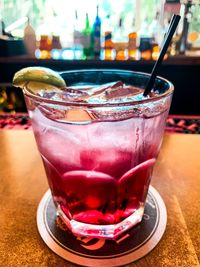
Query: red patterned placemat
[[175, 123], [183, 124], [17, 121]]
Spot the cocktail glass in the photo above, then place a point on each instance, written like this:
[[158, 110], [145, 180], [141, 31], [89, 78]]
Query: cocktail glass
[[99, 157]]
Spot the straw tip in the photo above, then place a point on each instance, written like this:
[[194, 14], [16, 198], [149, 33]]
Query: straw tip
[[172, 28]]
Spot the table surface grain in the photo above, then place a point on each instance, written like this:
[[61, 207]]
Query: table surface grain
[[22, 184]]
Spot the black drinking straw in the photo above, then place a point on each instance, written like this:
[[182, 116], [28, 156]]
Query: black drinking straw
[[171, 30]]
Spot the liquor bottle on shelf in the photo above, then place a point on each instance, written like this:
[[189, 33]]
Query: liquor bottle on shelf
[[145, 48], [182, 43], [56, 50], [132, 43], [77, 37], [45, 47], [120, 42], [155, 30], [155, 51], [30, 39], [107, 40], [173, 48], [145, 42], [97, 35], [86, 39], [108, 46]]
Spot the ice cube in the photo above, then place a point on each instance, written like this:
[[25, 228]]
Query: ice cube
[[102, 88], [79, 95], [59, 149], [134, 182], [93, 188], [113, 92], [109, 160], [66, 94], [117, 92], [79, 115], [74, 94]]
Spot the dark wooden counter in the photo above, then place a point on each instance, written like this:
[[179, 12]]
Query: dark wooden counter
[[23, 183]]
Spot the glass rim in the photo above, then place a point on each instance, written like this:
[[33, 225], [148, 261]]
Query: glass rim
[[168, 92]]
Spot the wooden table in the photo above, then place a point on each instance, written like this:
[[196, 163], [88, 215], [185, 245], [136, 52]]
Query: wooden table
[[23, 183]]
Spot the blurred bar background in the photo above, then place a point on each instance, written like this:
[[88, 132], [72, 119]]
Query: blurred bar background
[[103, 34]]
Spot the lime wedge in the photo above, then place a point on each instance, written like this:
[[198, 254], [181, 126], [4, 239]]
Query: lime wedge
[[37, 78]]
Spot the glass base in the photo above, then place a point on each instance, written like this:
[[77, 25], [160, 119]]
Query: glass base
[[111, 231]]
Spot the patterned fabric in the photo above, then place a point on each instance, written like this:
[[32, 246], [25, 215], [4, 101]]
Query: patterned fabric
[[19, 121], [175, 124], [183, 124]]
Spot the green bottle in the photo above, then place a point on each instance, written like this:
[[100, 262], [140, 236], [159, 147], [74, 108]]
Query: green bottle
[[86, 39], [97, 35]]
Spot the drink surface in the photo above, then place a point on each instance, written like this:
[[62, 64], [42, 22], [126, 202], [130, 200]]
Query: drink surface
[[113, 92], [98, 171]]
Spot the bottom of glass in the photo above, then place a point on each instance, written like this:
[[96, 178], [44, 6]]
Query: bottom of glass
[[111, 231]]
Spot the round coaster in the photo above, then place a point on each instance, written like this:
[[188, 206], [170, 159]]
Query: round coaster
[[129, 247]]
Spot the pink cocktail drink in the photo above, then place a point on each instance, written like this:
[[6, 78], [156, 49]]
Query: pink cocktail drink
[[99, 157]]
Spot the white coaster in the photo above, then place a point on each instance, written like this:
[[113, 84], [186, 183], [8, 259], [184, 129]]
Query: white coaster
[[129, 247]]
